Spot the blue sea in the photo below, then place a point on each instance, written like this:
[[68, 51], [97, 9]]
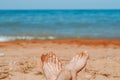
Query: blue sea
[[59, 24]]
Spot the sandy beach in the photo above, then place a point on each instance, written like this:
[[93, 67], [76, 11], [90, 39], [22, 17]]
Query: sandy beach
[[21, 59]]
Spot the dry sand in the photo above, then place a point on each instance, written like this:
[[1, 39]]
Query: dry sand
[[22, 58]]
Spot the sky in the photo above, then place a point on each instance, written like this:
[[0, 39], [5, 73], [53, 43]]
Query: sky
[[59, 4]]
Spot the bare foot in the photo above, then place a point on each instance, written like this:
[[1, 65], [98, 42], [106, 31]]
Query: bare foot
[[78, 62], [51, 65]]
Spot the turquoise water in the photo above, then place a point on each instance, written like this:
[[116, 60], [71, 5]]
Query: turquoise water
[[59, 24]]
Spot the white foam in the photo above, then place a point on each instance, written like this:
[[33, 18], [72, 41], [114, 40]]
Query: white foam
[[51, 37], [11, 38], [3, 38], [1, 54]]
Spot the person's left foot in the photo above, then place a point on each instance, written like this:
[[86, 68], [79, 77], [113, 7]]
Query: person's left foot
[[78, 62], [51, 65]]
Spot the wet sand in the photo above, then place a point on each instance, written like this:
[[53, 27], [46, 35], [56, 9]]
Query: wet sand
[[22, 58]]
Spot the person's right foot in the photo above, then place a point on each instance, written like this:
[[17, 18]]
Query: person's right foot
[[51, 66]]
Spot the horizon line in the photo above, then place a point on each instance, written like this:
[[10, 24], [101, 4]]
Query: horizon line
[[60, 9]]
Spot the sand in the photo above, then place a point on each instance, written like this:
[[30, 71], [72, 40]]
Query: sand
[[21, 59]]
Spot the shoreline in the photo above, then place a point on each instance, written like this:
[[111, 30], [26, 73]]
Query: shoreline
[[93, 42]]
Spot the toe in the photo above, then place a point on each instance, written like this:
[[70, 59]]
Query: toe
[[50, 57], [81, 55], [43, 58], [54, 58], [86, 56]]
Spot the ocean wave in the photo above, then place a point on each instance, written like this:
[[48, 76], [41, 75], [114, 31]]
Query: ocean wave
[[12, 38]]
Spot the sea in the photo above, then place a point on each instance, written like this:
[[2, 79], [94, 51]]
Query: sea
[[59, 24]]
